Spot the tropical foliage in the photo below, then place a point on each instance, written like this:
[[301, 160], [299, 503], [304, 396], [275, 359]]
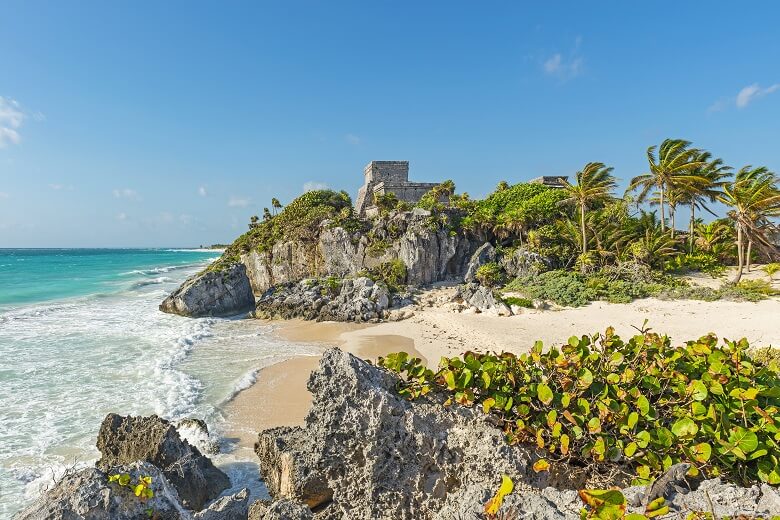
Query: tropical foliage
[[636, 406]]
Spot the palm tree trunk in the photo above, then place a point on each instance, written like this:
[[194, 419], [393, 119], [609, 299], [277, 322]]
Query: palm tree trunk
[[663, 213], [740, 255], [672, 211], [582, 229], [691, 225], [747, 257]]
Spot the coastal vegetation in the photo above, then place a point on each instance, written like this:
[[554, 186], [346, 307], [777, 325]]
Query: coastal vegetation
[[635, 407], [589, 243], [299, 220]]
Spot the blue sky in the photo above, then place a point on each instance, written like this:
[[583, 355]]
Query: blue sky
[[171, 123]]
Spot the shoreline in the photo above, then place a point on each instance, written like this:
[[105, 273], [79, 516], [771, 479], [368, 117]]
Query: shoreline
[[279, 396]]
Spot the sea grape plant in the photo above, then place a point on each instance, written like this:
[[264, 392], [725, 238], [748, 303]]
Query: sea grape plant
[[641, 405]]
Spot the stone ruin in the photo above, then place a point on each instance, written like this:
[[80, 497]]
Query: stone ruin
[[383, 177]]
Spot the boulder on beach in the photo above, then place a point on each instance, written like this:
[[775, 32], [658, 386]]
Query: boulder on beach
[[223, 292], [124, 440], [353, 299], [88, 494]]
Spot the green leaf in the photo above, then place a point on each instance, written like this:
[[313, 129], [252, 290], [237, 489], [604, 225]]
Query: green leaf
[[544, 393], [594, 425], [744, 439], [584, 378], [685, 428], [698, 390], [487, 404], [633, 418], [630, 449], [701, 452], [449, 378], [643, 405]]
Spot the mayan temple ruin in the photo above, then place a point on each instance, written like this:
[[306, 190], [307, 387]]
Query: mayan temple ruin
[[383, 177]]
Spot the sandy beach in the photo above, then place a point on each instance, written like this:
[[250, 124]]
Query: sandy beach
[[280, 398]]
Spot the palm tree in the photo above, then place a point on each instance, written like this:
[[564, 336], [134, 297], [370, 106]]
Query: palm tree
[[672, 166], [754, 199], [713, 174], [595, 183], [709, 236], [275, 204]]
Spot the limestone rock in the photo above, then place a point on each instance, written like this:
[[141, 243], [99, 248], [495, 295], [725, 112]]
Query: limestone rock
[[486, 253], [481, 298], [429, 255], [521, 262], [233, 507], [354, 299], [289, 473], [288, 510], [380, 455], [88, 495], [124, 440], [212, 293]]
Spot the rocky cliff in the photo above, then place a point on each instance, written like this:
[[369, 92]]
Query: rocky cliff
[[429, 254], [428, 251]]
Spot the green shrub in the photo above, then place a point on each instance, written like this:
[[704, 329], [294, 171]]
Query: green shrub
[[703, 262], [377, 248], [490, 274], [772, 269], [392, 274], [520, 302], [561, 287], [641, 404], [748, 290], [299, 220]]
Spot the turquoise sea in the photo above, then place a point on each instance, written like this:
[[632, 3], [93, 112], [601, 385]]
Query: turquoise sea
[[81, 336]]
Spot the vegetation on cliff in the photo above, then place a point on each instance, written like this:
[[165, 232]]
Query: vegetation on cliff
[[300, 220], [637, 406]]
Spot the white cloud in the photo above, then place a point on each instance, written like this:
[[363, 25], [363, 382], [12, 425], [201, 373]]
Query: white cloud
[[238, 202], [752, 92], [314, 185], [121, 217], [563, 66], [185, 219], [60, 187], [11, 118], [352, 139], [3, 195], [202, 191], [125, 193]]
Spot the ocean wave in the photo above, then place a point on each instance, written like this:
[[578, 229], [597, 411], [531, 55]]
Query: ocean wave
[[153, 281], [245, 381], [183, 391], [161, 270]]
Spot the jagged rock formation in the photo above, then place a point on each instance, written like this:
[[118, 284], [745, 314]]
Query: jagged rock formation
[[224, 292], [87, 494], [481, 299], [522, 262], [232, 507], [123, 440], [484, 254], [366, 453], [354, 299], [429, 255]]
